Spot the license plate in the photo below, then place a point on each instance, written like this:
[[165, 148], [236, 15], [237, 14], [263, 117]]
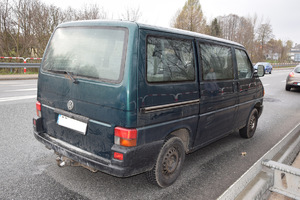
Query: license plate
[[72, 124]]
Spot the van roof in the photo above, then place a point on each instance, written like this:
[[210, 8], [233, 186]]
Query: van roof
[[145, 26]]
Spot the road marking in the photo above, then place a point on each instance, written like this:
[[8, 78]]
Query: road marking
[[24, 85], [266, 85], [17, 98], [22, 90], [283, 81]]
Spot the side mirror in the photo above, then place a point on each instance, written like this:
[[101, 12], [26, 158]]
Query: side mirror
[[259, 71]]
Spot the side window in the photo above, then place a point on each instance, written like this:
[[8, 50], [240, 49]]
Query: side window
[[169, 60], [216, 62], [243, 64]]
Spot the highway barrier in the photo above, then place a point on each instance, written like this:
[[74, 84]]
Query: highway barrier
[[268, 173], [23, 65]]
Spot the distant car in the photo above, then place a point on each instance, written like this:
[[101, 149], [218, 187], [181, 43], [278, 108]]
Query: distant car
[[267, 67], [293, 79]]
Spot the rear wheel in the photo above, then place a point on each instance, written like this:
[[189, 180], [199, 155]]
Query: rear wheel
[[169, 163], [249, 130], [287, 87]]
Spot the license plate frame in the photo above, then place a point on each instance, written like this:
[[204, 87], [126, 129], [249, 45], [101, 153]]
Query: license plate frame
[[73, 124]]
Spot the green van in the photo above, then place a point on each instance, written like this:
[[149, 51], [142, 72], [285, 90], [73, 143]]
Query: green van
[[126, 98]]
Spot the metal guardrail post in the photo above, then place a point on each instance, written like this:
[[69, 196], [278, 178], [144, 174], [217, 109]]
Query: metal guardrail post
[[286, 179]]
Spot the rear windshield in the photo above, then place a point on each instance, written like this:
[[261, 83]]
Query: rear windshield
[[97, 53], [297, 69]]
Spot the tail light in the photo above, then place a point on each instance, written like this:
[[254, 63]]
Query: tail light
[[291, 74], [38, 109], [125, 137], [118, 156]]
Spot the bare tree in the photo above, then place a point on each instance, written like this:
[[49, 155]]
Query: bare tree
[[190, 17], [7, 41], [91, 11], [229, 25], [132, 14], [239, 29], [264, 34]]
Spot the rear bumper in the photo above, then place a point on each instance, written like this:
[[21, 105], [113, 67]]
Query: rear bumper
[[135, 159], [293, 83]]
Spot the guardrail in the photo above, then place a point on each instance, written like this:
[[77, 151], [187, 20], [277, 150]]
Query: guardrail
[[20, 65], [259, 181], [24, 65], [284, 64]]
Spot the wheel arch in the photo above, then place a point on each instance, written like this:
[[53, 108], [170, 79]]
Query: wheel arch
[[184, 135], [259, 107]]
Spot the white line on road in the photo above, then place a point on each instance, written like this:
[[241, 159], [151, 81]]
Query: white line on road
[[22, 90], [266, 85], [283, 81], [17, 98], [23, 85]]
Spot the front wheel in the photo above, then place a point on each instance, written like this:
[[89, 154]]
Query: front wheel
[[169, 163], [249, 130]]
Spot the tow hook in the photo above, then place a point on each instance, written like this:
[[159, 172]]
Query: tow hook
[[63, 161]]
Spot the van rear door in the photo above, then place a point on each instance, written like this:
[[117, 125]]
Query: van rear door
[[80, 86]]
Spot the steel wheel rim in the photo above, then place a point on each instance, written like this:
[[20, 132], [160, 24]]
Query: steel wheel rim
[[252, 123], [170, 161]]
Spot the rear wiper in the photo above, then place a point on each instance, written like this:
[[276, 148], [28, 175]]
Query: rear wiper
[[71, 77], [65, 72]]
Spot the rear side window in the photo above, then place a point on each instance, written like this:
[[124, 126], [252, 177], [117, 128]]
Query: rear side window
[[216, 62], [97, 53], [244, 66], [169, 60]]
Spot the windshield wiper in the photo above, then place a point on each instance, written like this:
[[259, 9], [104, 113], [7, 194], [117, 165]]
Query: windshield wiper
[[71, 77], [65, 72]]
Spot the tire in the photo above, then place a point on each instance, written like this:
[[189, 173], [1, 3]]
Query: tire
[[270, 71], [249, 130], [168, 164], [287, 88]]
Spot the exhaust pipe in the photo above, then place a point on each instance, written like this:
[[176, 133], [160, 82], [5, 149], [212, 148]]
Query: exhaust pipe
[[63, 161]]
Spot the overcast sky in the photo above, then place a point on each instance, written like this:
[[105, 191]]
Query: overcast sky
[[284, 15]]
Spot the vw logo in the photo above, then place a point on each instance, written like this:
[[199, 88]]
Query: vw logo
[[70, 105]]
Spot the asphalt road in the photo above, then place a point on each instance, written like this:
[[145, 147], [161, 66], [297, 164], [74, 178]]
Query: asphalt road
[[29, 171]]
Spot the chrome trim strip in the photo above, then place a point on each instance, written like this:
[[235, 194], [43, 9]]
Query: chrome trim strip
[[168, 106], [230, 107], [46, 106], [100, 123]]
